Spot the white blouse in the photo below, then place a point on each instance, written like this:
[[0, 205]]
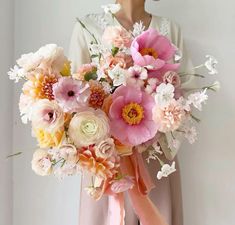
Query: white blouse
[[79, 52]]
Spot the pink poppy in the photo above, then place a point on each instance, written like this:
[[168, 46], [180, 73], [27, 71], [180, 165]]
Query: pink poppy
[[154, 51], [131, 116], [70, 94]]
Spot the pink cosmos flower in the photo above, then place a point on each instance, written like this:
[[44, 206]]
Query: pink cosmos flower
[[131, 116], [154, 51], [70, 94], [123, 185]]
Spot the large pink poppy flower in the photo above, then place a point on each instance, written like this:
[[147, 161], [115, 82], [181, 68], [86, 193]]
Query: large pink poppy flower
[[131, 116], [154, 51]]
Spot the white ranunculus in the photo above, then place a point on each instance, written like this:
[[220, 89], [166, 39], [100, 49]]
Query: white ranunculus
[[166, 170], [52, 56], [88, 127], [29, 61], [47, 115], [41, 163]]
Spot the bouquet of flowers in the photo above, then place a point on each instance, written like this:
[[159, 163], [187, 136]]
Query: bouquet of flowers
[[111, 110]]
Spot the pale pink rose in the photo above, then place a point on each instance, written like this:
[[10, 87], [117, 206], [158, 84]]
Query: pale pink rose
[[117, 37], [172, 78], [41, 163], [105, 149], [47, 115], [123, 60], [94, 192], [83, 70], [122, 185], [169, 118]]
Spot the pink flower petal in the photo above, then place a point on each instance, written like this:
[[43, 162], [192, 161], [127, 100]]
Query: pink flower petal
[[116, 108]]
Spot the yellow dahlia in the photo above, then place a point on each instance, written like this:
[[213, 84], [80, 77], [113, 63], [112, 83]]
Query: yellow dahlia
[[39, 86]]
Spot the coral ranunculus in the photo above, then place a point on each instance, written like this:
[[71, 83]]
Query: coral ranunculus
[[154, 51], [131, 116]]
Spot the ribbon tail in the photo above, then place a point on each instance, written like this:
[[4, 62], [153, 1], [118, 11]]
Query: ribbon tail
[[143, 179], [116, 213], [144, 208]]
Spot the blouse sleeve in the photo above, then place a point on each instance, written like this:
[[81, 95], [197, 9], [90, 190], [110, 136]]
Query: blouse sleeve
[[78, 50], [187, 83], [186, 63]]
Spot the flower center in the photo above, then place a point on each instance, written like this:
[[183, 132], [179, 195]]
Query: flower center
[[149, 51], [71, 93], [133, 113], [89, 127]]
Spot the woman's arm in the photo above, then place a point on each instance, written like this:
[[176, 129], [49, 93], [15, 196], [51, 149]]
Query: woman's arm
[[78, 50], [187, 82]]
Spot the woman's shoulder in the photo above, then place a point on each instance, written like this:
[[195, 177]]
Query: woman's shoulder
[[95, 20], [166, 25]]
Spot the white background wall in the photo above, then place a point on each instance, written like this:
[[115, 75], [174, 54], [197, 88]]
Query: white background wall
[[207, 167], [6, 98]]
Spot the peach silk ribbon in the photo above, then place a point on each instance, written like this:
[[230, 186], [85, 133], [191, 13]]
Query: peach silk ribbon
[[144, 208]]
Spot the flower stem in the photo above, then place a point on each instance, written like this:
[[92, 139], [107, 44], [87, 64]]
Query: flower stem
[[15, 154], [195, 118]]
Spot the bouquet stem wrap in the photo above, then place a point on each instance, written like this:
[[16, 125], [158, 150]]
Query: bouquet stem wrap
[[144, 208]]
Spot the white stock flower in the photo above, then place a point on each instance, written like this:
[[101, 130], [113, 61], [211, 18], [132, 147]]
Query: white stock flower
[[198, 98], [138, 29], [16, 74], [185, 104], [41, 163], [118, 75], [210, 64], [88, 127], [190, 134], [165, 94], [166, 170], [111, 8]]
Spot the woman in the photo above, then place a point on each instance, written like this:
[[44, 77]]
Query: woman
[[167, 194]]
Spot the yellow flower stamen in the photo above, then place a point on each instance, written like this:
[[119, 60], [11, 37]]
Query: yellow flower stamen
[[149, 51], [133, 113]]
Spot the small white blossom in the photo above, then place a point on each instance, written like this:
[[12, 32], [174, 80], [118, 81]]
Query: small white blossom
[[106, 87], [111, 8], [153, 152], [138, 29], [166, 170], [174, 144], [16, 74], [165, 94], [67, 169], [190, 134], [137, 75], [210, 64], [198, 98], [118, 75], [178, 54]]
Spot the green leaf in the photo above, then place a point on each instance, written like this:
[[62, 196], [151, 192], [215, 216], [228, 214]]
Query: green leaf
[[115, 50], [91, 76]]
